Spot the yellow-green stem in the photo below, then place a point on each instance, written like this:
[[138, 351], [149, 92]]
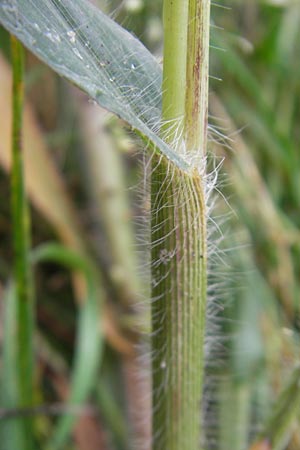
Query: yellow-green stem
[[179, 257], [196, 106], [178, 306], [21, 240], [175, 19]]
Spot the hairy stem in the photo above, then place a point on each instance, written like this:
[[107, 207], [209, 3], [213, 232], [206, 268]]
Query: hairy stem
[[178, 311], [21, 241], [179, 259]]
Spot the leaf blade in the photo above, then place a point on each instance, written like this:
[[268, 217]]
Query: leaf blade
[[92, 51], [89, 341]]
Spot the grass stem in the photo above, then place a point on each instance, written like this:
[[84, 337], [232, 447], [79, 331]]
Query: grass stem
[[175, 19], [179, 255], [21, 243], [196, 105]]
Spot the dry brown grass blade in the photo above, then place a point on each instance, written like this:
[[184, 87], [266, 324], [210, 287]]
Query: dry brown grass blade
[[262, 445], [107, 186]]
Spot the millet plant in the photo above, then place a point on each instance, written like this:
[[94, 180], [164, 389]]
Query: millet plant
[[168, 110], [170, 114]]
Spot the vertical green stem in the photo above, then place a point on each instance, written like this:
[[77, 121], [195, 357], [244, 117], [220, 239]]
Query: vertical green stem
[[21, 240], [196, 107], [179, 255], [178, 307], [175, 19]]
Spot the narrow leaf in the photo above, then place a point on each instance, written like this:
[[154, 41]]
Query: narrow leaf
[[89, 337]]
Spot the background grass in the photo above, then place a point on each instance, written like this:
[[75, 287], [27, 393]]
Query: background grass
[[256, 306]]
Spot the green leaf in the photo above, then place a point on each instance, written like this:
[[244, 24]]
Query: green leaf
[[88, 350], [88, 48]]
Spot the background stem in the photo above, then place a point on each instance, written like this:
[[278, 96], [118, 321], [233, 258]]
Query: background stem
[[22, 273]]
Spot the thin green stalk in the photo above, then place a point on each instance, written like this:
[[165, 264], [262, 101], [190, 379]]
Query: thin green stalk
[[175, 18], [21, 241], [196, 106], [179, 256]]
